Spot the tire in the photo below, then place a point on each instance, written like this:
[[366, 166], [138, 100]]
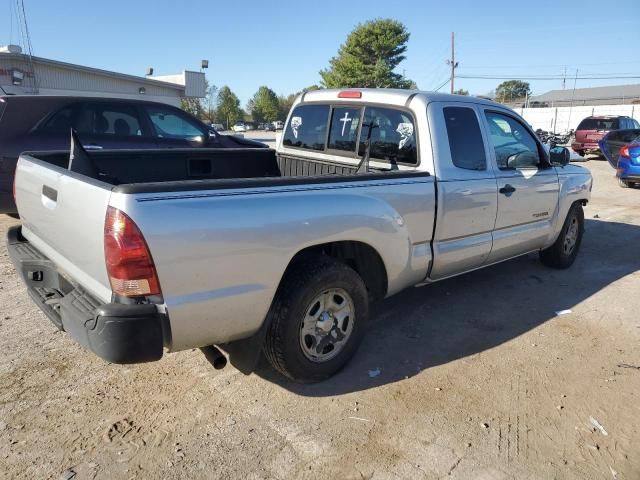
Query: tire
[[563, 252], [624, 183], [309, 291], [580, 152]]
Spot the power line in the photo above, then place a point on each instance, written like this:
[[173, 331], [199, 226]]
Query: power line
[[445, 82], [545, 75], [549, 65], [556, 77]]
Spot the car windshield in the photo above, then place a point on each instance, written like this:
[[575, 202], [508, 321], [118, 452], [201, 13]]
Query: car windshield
[[599, 124]]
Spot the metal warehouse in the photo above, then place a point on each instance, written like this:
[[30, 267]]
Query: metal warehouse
[[24, 74]]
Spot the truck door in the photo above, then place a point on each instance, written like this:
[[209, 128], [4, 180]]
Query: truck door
[[467, 189], [528, 186]]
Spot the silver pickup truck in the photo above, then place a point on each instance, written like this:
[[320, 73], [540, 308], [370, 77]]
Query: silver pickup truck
[[282, 252]]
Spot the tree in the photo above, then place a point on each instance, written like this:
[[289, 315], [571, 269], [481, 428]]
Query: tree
[[369, 56], [210, 102], [193, 106], [201, 107], [511, 90], [285, 103], [264, 106], [461, 91], [228, 111]]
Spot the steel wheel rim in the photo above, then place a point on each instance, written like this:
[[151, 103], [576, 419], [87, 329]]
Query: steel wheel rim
[[327, 325], [571, 236]]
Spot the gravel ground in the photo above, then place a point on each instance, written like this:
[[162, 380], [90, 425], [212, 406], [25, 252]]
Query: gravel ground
[[475, 377]]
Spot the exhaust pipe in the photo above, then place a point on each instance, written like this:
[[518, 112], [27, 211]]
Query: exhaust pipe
[[214, 356]]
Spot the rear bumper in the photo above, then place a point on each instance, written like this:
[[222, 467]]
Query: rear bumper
[[627, 170], [585, 146], [118, 333]]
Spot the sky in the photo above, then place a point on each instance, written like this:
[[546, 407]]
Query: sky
[[283, 44]]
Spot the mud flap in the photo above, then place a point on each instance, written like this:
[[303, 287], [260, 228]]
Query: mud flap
[[244, 354]]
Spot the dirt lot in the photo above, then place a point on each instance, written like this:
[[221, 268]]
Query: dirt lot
[[478, 378]]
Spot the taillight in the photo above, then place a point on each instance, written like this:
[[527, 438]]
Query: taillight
[[129, 264], [624, 152]]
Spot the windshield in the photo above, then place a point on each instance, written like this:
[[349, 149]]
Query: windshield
[[599, 124]]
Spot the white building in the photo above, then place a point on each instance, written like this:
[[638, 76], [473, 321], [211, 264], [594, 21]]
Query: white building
[[22, 74], [592, 96]]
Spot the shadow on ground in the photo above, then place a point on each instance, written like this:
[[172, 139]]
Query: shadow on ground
[[436, 324]]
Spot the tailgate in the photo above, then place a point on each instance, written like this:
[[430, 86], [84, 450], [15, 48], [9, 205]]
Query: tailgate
[[63, 216]]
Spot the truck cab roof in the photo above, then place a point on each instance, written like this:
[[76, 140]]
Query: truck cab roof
[[388, 96]]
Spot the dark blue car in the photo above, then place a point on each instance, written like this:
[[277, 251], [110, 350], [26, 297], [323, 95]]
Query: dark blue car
[[621, 148], [36, 123]]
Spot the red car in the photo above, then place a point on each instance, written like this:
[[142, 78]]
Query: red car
[[592, 129]]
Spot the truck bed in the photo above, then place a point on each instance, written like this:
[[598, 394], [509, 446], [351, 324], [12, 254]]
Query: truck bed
[[179, 165], [204, 217]]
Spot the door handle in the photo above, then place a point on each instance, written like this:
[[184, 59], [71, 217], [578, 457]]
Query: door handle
[[93, 147], [507, 190], [50, 193]]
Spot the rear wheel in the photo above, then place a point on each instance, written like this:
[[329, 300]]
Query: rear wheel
[[317, 320], [624, 183], [563, 252]]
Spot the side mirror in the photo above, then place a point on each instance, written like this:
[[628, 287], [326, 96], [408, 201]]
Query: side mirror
[[559, 156]]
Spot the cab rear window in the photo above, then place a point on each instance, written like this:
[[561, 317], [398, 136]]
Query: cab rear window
[[307, 127], [391, 133], [345, 126]]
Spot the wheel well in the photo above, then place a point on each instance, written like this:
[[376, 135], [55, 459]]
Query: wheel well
[[363, 258]]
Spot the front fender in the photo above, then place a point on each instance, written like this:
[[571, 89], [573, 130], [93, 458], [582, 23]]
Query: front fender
[[575, 186]]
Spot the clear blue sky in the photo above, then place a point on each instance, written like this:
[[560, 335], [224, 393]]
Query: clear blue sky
[[283, 43]]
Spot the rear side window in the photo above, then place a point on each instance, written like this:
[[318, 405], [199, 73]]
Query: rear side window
[[117, 120], [60, 122], [391, 133], [599, 124], [307, 127], [465, 139]]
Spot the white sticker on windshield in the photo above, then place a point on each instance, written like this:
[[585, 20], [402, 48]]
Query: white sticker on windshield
[[406, 132], [344, 121], [295, 124]]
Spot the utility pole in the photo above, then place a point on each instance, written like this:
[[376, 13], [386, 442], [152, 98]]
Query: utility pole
[[452, 62], [573, 96], [564, 78]]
